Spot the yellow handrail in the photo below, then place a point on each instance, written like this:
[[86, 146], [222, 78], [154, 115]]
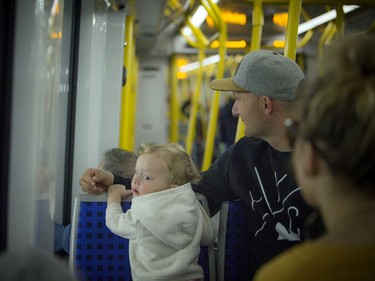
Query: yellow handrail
[[195, 102], [256, 37], [292, 29], [174, 104], [127, 118], [339, 21], [371, 29], [327, 34], [202, 40], [201, 44], [133, 101], [215, 102], [308, 35]]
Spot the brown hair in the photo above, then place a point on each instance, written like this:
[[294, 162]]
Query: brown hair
[[338, 115]]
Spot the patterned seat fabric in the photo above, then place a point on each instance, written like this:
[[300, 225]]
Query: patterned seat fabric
[[98, 254], [233, 263]]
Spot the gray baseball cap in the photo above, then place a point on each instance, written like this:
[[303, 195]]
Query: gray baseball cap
[[264, 73]]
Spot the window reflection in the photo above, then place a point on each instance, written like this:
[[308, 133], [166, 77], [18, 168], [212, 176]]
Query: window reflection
[[47, 59]]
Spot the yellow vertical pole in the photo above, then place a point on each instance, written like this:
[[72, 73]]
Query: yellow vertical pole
[[215, 102], [256, 38], [258, 23], [133, 102], [201, 43], [185, 89], [291, 35], [195, 102], [328, 32], [340, 21], [126, 105], [184, 96], [371, 29], [174, 104]]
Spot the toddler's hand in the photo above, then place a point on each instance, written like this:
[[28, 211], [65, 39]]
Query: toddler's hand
[[118, 190]]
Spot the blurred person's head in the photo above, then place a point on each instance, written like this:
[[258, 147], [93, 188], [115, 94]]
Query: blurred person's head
[[337, 127], [119, 161], [32, 265]]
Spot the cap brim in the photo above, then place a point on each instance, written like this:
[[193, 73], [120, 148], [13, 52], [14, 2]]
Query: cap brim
[[225, 84]]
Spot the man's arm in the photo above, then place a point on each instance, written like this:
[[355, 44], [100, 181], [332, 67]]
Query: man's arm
[[96, 181], [215, 182]]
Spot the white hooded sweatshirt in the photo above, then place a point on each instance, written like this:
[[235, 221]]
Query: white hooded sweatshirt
[[165, 231]]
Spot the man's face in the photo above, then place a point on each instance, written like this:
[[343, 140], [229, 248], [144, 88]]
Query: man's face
[[247, 107]]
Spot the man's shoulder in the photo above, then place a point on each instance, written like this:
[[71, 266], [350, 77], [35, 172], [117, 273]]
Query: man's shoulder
[[251, 143], [252, 148], [248, 148], [251, 140], [258, 145]]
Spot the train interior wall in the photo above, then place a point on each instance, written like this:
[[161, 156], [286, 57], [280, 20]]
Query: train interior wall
[[152, 101], [99, 87], [40, 94], [41, 75]]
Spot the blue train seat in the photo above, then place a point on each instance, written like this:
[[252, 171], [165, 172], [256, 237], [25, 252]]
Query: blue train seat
[[232, 262], [98, 254], [207, 254], [95, 252]]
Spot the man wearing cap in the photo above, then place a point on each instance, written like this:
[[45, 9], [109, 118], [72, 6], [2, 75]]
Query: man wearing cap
[[256, 169]]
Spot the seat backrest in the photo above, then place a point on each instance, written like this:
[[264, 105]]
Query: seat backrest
[[95, 252], [98, 254], [232, 261], [207, 254]]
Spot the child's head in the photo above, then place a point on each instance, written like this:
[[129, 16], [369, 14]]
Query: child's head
[[160, 167]]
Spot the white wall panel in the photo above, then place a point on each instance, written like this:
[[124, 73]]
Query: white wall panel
[[36, 80], [99, 86], [152, 101]]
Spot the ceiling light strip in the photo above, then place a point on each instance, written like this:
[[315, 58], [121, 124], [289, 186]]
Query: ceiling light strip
[[319, 20], [195, 65]]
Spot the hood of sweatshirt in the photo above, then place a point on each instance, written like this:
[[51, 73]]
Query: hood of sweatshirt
[[177, 214]]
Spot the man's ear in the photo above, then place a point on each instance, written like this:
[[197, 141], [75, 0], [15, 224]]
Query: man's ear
[[266, 104]]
